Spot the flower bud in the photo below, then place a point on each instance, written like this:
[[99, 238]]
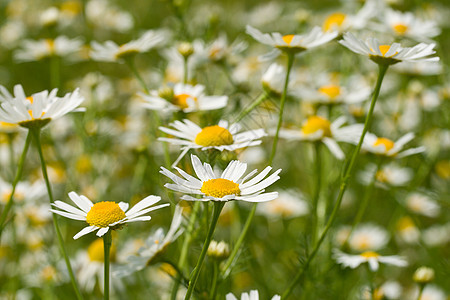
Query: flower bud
[[185, 49], [423, 275], [218, 250]]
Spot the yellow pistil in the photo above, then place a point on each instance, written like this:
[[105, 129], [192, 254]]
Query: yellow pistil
[[332, 91], [362, 243], [103, 214], [181, 100], [315, 123], [333, 21], [96, 253], [383, 59], [288, 38], [369, 254], [220, 187], [48, 273], [388, 144], [381, 176], [405, 223], [400, 29], [214, 136], [50, 46]]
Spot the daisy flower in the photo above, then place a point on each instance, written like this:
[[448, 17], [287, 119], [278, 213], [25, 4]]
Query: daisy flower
[[423, 204], [291, 43], [37, 109], [103, 14], [111, 52], [273, 80], [37, 50], [388, 54], [317, 128], [289, 204], [372, 258], [389, 175], [407, 230], [228, 186], [185, 97], [386, 147], [218, 250], [104, 215], [252, 295], [368, 237]]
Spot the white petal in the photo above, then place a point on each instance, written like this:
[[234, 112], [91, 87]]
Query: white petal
[[85, 231]]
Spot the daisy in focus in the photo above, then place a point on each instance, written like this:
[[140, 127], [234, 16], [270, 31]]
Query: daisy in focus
[[111, 52], [105, 215], [228, 186], [37, 109], [372, 258], [37, 50], [185, 97], [252, 295], [317, 128], [388, 54], [386, 147]]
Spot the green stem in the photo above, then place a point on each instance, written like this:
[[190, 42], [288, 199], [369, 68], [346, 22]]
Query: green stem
[[291, 58], [186, 70], [344, 182], [130, 62], [318, 174], [54, 72], [252, 106], [12, 165], [184, 249], [422, 287], [213, 292], [36, 132], [19, 172], [218, 205], [107, 241]]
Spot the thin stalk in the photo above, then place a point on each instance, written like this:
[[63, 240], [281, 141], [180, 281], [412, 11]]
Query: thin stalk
[[218, 205], [291, 58], [344, 183], [252, 106], [12, 164], [36, 132], [107, 241], [421, 288], [184, 249], [131, 65], [213, 292], [186, 69], [318, 174], [19, 172], [54, 71]]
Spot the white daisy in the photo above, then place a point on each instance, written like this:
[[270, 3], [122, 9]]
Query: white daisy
[[37, 109], [423, 204], [372, 258], [111, 52], [388, 54], [386, 147], [103, 14], [273, 80], [61, 46], [104, 215], [228, 186], [426, 68], [317, 128], [368, 237], [185, 97], [389, 175], [252, 295], [289, 204], [407, 231], [291, 43]]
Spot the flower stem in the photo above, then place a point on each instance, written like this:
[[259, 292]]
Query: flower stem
[[131, 65], [19, 172], [291, 58], [36, 132], [421, 288], [213, 291], [316, 196], [186, 70], [54, 71], [252, 106], [344, 182], [218, 205], [107, 241]]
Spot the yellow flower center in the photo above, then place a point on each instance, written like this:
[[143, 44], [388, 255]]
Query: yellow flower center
[[96, 251], [51, 48], [48, 273], [369, 254], [288, 38], [388, 144], [400, 28], [362, 243], [315, 123], [105, 213], [384, 49], [220, 187], [381, 176], [181, 100], [214, 136], [332, 91], [405, 223], [333, 20]]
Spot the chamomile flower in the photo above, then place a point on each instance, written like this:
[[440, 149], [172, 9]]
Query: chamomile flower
[[372, 258], [423, 204], [289, 204], [185, 97], [37, 109], [104, 215], [388, 54], [228, 186], [317, 128], [386, 147], [111, 52], [105, 15], [291, 43], [252, 295], [388, 175], [61, 46], [341, 21], [273, 80], [368, 237]]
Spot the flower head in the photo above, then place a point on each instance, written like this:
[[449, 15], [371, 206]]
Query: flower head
[[407, 25], [252, 295], [386, 147], [61, 46], [372, 258], [104, 215]]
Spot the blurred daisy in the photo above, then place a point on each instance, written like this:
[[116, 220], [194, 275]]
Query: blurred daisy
[[273, 80], [111, 52], [437, 235], [105, 15], [368, 237], [24, 191], [430, 292], [252, 295], [153, 247], [407, 230], [426, 68], [228, 186], [37, 109], [289, 204], [386, 147], [372, 258], [61, 46], [185, 97], [340, 21], [104, 215], [388, 175], [291, 43], [317, 128], [388, 54], [421, 203]]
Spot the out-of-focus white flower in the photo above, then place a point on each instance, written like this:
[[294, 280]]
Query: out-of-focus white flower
[[388, 175], [218, 250], [426, 68], [436, 235], [407, 230], [12, 33], [423, 204], [252, 295], [105, 15], [317, 128], [25, 191], [423, 275], [372, 258], [430, 292], [273, 79], [61, 46], [386, 147], [368, 237], [289, 204]]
